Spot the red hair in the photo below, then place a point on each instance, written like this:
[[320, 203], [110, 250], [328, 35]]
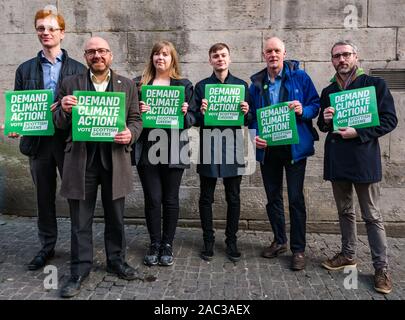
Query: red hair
[[42, 14]]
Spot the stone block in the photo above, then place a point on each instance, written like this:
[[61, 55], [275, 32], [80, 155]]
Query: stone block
[[74, 44], [245, 45], [393, 175], [386, 14], [125, 15], [140, 44], [18, 48], [392, 204], [320, 73], [7, 75], [226, 15], [397, 140], [315, 44], [317, 14], [401, 43]]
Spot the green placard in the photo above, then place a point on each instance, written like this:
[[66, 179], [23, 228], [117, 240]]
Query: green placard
[[224, 105], [277, 124], [98, 116], [355, 108], [29, 113], [165, 107]]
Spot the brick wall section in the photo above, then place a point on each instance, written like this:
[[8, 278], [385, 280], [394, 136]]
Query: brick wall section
[[309, 29]]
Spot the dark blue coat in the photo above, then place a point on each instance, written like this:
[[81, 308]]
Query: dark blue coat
[[222, 169], [359, 159], [29, 76], [295, 85]]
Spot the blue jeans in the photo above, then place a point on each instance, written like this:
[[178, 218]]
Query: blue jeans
[[272, 174]]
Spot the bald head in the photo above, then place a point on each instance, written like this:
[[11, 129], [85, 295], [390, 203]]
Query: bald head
[[273, 42], [274, 53], [98, 56], [96, 42]]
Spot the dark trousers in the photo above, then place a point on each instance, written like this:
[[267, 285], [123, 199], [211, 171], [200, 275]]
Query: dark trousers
[[161, 186], [232, 194], [82, 213], [272, 174], [43, 171]]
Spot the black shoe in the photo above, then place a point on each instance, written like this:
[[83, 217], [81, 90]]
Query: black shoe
[[73, 286], [152, 256], [208, 251], [166, 255], [232, 252], [122, 270], [40, 260]]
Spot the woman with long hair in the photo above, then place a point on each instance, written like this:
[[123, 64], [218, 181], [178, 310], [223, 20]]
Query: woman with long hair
[[161, 179]]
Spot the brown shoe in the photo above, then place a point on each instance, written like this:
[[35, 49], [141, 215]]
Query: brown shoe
[[274, 250], [298, 261], [339, 261], [382, 281]]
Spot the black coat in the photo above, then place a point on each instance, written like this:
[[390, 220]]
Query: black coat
[[357, 160], [29, 76], [222, 169], [142, 145]]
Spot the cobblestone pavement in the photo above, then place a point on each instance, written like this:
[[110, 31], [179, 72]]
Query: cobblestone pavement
[[252, 278]]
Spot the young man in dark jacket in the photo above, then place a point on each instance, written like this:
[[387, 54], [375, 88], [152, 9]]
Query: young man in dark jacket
[[46, 71], [352, 158], [282, 81], [211, 170]]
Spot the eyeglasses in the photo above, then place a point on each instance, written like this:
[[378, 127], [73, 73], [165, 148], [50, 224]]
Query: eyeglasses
[[92, 52], [41, 29], [345, 55]]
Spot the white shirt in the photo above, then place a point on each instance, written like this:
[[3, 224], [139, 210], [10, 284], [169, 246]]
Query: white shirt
[[100, 86]]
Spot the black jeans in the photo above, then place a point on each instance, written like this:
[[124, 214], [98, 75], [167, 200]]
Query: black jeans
[[232, 194], [161, 186], [82, 213], [272, 173], [43, 171]]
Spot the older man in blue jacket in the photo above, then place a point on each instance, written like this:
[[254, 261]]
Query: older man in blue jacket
[[282, 81]]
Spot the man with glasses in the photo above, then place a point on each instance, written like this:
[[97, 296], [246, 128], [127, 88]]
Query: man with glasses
[[88, 164], [283, 81], [46, 71], [353, 159]]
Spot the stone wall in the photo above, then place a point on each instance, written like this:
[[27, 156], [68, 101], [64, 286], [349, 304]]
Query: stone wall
[[309, 28]]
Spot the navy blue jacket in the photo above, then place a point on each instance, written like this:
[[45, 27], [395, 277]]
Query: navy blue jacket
[[359, 159], [295, 85], [223, 169], [29, 76]]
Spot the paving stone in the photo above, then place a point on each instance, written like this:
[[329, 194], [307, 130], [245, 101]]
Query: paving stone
[[191, 278]]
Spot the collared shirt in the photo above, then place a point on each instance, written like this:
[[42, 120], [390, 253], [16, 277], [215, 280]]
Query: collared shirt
[[274, 88], [51, 71], [100, 86]]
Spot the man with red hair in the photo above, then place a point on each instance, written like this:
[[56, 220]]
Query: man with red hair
[[46, 71]]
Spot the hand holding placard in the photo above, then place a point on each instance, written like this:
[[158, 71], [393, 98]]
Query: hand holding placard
[[328, 114], [204, 106], [68, 102], [143, 107], [123, 137]]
